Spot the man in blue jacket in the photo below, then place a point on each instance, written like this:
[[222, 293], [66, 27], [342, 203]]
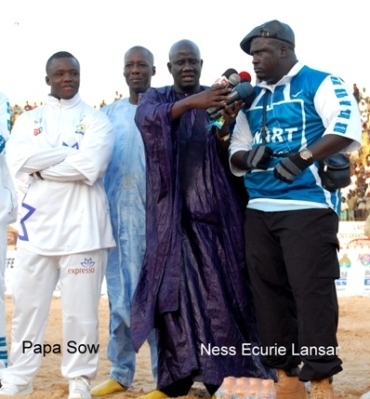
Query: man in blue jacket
[[299, 117]]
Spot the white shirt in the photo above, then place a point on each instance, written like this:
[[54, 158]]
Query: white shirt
[[70, 143]]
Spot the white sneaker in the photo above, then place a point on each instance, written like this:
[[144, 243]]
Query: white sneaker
[[366, 395], [79, 388], [8, 389]]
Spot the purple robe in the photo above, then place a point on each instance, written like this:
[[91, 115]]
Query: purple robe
[[192, 287]]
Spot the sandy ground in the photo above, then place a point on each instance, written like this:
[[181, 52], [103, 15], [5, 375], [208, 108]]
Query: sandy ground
[[354, 340]]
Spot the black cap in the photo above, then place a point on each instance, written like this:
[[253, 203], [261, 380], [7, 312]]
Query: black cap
[[273, 30]]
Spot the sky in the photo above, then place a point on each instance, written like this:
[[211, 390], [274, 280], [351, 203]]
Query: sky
[[330, 36]]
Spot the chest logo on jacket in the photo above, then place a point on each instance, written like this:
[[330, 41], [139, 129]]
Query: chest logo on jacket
[[37, 129], [81, 127]]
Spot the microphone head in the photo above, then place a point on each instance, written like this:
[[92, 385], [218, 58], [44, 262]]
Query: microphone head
[[245, 76], [234, 79], [229, 72], [244, 89]]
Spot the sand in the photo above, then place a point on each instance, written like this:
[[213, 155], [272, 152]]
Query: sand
[[354, 341]]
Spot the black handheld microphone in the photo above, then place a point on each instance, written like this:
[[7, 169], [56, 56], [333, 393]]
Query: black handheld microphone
[[232, 79], [229, 76], [241, 93]]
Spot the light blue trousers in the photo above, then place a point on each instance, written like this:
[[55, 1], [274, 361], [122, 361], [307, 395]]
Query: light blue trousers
[[121, 284]]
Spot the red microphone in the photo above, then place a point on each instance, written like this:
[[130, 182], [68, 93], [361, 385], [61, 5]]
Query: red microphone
[[245, 76]]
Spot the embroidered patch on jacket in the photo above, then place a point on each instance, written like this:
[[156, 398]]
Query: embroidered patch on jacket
[[37, 128], [81, 127]]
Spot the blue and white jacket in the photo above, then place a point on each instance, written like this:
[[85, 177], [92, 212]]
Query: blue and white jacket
[[302, 107]]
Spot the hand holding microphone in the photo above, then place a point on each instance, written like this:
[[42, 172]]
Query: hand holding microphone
[[242, 93], [229, 79]]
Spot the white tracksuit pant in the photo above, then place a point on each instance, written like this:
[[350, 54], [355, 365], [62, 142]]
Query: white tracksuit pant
[[35, 278]]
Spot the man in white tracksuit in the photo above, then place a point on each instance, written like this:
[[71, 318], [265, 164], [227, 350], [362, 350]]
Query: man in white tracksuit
[[64, 232], [8, 214]]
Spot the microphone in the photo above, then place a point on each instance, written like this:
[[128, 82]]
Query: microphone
[[245, 76], [231, 78], [243, 91], [233, 81]]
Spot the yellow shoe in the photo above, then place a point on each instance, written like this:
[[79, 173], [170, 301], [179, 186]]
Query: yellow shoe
[[154, 395], [107, 387]]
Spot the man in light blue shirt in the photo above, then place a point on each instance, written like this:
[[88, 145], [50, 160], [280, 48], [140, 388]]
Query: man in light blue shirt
[[125, 183]]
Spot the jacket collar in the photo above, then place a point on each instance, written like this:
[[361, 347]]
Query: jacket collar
[[72, 102], [286, 78]]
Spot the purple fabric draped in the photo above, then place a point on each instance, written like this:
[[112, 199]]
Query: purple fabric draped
[[192, 287]]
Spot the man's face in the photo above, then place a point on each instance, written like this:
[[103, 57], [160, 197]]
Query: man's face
[[138, 70], [266, 59], [63, 77], [185, 66]]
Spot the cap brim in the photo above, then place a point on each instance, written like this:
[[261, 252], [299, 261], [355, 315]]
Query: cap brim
[[245, 44]]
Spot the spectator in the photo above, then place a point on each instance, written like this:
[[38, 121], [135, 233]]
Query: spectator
[[356, 93], [344, 210], [352, 206], [27, 107]]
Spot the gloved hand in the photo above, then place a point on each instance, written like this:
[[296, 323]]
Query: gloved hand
[[258, 158], [2, 143], [290, 167]]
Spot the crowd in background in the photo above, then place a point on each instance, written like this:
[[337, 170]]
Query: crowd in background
[[356, 197]]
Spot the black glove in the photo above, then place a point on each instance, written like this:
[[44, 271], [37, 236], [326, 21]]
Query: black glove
[[290, 167], [258, 158]]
